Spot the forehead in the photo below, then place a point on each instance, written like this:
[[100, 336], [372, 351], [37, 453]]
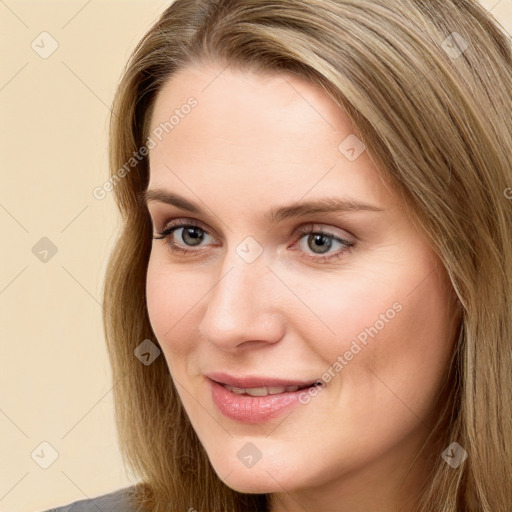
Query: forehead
[[263, 95], [248, 130]]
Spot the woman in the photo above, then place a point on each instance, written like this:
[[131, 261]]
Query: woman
[[309, 304]]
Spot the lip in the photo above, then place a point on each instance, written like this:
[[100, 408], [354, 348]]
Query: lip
[[252, 409], [256, 381]]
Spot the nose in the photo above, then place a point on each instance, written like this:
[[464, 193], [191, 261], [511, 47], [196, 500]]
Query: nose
[[242, 307]]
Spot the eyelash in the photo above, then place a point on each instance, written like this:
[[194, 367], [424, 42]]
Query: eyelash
[[177, 224]]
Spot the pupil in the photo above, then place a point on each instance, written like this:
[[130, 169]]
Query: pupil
[[321, 238]]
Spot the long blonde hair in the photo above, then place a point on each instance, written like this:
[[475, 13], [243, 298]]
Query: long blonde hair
[[427, 84]]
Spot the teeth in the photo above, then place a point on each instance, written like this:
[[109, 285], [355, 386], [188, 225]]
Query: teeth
[[262, 391]]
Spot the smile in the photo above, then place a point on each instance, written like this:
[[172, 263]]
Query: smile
[[255, 405]]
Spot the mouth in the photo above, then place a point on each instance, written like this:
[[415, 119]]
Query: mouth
[[255, 400], [260, 386]]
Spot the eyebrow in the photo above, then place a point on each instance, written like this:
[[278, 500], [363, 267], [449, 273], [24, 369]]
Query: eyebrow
[[274, 215]]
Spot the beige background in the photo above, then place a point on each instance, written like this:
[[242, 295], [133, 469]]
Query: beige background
[[55, 380]]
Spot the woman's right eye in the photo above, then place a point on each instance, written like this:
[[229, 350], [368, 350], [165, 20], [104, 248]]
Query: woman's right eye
[[191, 234]]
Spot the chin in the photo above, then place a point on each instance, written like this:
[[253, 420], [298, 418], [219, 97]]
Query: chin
[[253, 483], [266, 476]]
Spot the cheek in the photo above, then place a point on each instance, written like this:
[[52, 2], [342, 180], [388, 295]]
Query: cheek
[[393, 326], [398, 336], [173, 296]]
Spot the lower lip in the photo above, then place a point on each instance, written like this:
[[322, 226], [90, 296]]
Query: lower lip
[[252, 409]]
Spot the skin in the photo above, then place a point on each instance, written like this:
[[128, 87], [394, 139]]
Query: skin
[[258, 141]]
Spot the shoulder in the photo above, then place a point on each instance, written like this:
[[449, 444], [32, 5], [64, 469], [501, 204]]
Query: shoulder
[[116, 501]]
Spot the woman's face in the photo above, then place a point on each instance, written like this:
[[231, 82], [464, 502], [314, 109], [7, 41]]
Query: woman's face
[[357, 299]]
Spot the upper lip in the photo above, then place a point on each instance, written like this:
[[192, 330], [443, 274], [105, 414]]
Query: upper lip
[[254, 381]]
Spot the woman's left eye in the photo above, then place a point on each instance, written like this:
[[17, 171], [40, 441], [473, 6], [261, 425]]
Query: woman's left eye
[[323, 240], [191, 235]]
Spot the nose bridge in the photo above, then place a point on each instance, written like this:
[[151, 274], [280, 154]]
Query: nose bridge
[[239, 300]]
